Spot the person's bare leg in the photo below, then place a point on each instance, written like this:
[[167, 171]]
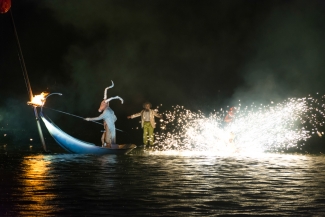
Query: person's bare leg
[[108, 136], [103, 139]]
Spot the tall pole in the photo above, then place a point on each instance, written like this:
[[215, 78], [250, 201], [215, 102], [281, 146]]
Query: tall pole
[[28, 86], [39, 129]]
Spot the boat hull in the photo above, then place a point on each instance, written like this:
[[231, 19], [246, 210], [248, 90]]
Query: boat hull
[[77, 146]]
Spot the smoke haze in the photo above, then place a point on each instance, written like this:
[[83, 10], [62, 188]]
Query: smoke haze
[[200, 54]]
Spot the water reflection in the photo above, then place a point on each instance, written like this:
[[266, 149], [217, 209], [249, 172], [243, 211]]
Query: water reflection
[[148, 183], [35, 186], [238, 182]]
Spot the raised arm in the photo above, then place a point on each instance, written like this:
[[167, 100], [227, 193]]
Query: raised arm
[[136, 115], [100, 117], [156, 114]]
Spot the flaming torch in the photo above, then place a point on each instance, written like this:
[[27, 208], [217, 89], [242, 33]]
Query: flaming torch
[[38, 101]]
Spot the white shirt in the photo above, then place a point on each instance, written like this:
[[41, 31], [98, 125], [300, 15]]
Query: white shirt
[[146, 115]]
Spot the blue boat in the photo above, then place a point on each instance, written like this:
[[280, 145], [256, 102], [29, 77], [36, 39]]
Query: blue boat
[[77, 146]]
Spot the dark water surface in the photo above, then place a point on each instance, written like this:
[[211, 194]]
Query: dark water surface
[[152, 184]]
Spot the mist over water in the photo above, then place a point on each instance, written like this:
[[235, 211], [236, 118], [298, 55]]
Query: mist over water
[[201, 55]]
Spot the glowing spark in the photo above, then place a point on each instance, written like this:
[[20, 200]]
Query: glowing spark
[[256, 129], [319, 134]]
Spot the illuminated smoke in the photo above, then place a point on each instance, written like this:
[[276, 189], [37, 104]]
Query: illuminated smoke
[[257, 128]]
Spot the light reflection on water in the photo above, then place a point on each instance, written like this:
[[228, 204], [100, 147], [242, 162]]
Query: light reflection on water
[[161, 184]]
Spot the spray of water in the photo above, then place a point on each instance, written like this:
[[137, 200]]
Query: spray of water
[[256, 128]]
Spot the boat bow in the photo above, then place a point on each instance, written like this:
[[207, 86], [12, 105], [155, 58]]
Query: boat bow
[[74, 145]]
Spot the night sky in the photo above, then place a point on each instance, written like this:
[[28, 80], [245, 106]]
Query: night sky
[[201, 54]]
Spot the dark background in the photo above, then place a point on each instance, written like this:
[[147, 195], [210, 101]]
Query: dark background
[[204, 55]]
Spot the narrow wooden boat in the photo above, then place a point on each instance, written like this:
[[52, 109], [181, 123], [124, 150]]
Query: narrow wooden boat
[[77, 146]]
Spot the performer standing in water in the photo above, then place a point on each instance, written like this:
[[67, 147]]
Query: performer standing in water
[[228, 119], [109, 118], [147, 122], [230, 115]]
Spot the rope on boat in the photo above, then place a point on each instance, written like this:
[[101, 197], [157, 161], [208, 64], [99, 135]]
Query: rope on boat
[[77, 116]]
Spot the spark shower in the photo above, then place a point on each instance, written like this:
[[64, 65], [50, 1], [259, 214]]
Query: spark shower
[[257, 128]]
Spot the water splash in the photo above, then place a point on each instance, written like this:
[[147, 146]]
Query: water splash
[[257, 128]]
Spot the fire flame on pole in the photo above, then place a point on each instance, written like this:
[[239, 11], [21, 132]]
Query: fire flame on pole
[[38, 100], [28, 86]]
